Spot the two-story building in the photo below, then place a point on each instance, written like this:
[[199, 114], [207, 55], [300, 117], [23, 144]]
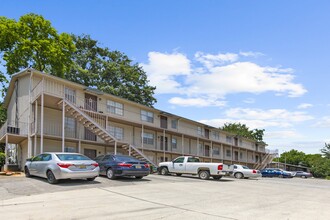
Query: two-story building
[[46, 113]]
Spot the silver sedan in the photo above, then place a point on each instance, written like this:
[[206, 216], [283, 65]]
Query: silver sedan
[[241, 171], [56, 166]]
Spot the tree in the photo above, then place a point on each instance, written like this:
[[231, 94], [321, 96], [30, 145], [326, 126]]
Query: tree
[[109, 71], [2, 159], [243, 131], [326, 151], [32, 41], [293, 157]]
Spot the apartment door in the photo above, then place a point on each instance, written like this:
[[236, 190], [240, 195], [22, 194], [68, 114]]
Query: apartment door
[[207, 150], [90, 102], [207, 133], [236, 141], [163, 122], [90, 153], [163, 143], [236, 155]]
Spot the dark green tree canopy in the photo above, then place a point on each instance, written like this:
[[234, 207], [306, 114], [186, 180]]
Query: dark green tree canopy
[[109, 71], [33, 42], [243, 131]]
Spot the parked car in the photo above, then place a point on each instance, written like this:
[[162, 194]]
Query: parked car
[[302, 174], [241, 172], [56, 166], [114, 166], [274, 172], [192, 165]]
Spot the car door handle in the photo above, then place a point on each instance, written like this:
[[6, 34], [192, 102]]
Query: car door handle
[[180, 165]]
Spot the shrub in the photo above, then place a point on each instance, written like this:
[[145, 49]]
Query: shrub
[[2, 159]]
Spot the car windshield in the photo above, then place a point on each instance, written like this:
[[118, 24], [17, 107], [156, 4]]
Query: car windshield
[[65, 157], [126, 159]]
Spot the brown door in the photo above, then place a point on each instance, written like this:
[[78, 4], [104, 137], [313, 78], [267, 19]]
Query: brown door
[[163, 122], [90, 102], [90, 153], [163, 143], [207, 150], [207, 133]]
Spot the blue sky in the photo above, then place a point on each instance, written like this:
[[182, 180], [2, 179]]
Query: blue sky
[[262, 63]]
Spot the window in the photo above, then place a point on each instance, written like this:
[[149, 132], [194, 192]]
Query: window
[[228, 153], [70, 95], [117, 132], [240, 143], [115, 107], [147, 116], [46, 157], [179, 160], [174, 123], [107, 158], [201, 148], [193, 160], [148, 138], [241, 155], [70, 149], [70, 127], [229, 139], [216, 151], [215, 135], [200, 131], [174, 143]]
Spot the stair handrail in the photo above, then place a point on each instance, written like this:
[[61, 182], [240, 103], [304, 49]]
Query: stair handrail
[[142, 154]]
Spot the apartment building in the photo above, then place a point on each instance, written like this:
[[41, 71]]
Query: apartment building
[[46, 113]]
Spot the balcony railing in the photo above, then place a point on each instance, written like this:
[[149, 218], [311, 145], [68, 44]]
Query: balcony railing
[[11, 127]]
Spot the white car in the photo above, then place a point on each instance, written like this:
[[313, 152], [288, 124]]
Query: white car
[[241, 171]]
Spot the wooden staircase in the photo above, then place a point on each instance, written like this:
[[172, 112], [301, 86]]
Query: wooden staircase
[[268, 158], [91, 124]]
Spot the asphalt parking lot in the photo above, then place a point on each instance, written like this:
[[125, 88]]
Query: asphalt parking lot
[[164, 197]]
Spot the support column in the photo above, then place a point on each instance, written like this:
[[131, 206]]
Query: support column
[[42, 124], [222, 153], [142, 133], [247, 160], [79, 146], [129, 150], [164, 143], [115, 147], [63, 126], [182, 145], [197, 147], [35, 127], [211, 151], [6, 150], [231, 153]]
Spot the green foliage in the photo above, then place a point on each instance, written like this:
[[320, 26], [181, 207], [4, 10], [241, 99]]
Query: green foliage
[[319, 165], [32, 41], [243, 131], [2, 159], [3, 115], [293, 157], [326, 151], [109, 71]]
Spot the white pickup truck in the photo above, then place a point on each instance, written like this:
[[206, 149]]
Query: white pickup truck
[[192, 165]]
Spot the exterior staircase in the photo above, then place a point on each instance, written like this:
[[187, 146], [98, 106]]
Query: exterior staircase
[[268, 158], [91, 124]]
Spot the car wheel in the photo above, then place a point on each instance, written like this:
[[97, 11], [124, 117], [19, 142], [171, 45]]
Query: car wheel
[[51, 177], [91, 179], [280, 176], [304, 177], [204, 174], [239, 175], [164, 171], [217, 177], [139, 177], [179, 174], [110, 174], [27, 172]]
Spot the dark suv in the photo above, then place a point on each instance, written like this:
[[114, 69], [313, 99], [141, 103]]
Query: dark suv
[[114, 166]]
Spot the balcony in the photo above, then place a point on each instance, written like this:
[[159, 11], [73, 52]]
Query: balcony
[[15, 131]]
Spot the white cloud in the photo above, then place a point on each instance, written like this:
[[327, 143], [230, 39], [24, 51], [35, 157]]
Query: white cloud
[[323, 122], [249, 101], [210, 60], [252, 124], [284, 134], [163, 68], [304, 106], [220, 75], [270, 114], [196, 102], [250, 54]]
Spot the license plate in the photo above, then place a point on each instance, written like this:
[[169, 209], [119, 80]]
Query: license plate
[[82, 166], [137, 166]]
